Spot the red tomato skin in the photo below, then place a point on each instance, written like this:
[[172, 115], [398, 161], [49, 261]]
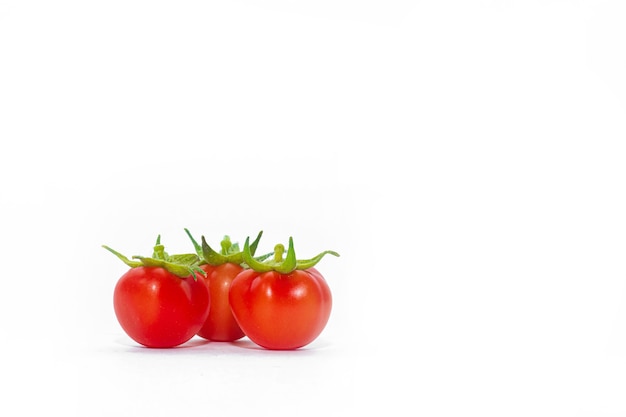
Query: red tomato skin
[[281, 312], [158, 309], [220, 325]]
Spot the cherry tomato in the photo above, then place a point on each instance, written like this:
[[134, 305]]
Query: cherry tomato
[[159, 309], [221, 268], [281, 304], [220, 324], [162, 301], [281, 311]]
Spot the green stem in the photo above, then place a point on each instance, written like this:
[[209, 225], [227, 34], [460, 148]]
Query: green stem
[[159, 250], [279, 250], [226, 244]]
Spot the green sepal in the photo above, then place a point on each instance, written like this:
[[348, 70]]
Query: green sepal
[[310, 263], [290, 263], [214, 258], [280, 265], [229, 253], [181, 265], [185, 259], [257, 258], [182, 270], [196, 246], [132, 264], [251, 262]]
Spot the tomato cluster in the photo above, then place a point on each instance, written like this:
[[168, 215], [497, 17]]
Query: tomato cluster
[[275, 300]]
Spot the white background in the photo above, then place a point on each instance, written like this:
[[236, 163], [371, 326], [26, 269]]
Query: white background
[[466, 158]]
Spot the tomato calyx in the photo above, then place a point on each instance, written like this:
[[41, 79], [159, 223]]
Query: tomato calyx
[[229, 253], [278, 264], [181, 265]]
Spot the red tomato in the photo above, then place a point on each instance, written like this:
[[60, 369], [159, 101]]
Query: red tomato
[[221, 268], [159, 309], [281, 311], [220, 324]]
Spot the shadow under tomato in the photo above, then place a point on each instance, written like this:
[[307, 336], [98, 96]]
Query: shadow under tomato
[[202, 346], [250, 345], [194, 342]]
